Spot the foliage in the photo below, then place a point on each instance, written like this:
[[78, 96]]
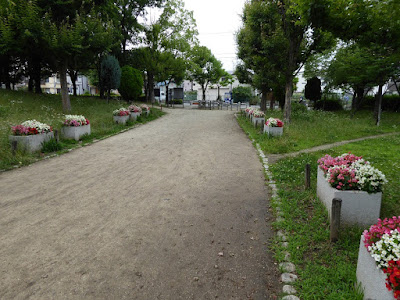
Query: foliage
[[241, 94], [131, 83], [204, 68], [110, 73], [328, 105], [51, 146], [389, 103], [313, 89]]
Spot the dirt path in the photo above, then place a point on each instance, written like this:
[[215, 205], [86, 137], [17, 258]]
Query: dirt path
[[273, 158], [174, 209]]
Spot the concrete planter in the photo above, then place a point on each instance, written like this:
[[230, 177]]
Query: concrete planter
[[273, 131], [75, 132], [358, 207], [121, 119], [134, 116], [31, 143], [258, 121], [371, 279], [146, 112]]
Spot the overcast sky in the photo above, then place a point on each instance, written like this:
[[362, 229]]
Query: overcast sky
[[217, 21]]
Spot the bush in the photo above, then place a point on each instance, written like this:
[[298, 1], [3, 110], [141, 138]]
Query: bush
[[328, 105], [389, 103], [176, 101], [241, 94], [131, 83], [297, 107], [254, 100]]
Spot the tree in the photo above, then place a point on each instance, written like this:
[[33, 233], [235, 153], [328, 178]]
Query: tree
[[260, 47], [205, 68], [131, 83], [168, 41], [313, 89], [241, 94], [110, 74]]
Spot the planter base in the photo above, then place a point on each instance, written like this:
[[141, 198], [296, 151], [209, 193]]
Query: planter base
[[31, 143], [273, 131], [358, 207], [121, 119], [75, 133], [133, 116], [371, 279], [258, 121]]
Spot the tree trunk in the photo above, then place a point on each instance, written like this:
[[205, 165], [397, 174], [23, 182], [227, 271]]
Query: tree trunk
[[395, 84], [151, 87], [64, 87], [288, 96], [30, 84], [74, 76], [272, 103], [37, 70], [264, 93], [203, 88], [166, 94], [378, 105]]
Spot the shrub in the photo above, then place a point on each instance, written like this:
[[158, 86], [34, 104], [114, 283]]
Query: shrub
[[298, 108], [241, 94], [328, 105], [131, 83], [389, 103], [254, 100], [176, 101]]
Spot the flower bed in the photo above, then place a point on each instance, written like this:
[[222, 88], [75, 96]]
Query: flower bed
[[31, 134], [249, 112], [258, 117], [273, 127], [121, 116], [75, 126], [353, 180], [145, 109], [135, 111], [378, 267]]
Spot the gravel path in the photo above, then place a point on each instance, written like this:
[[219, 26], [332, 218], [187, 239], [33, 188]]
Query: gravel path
[[174, 209]]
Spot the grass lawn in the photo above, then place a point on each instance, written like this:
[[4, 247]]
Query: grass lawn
[[17, 107], [313, 128], [326, 270]]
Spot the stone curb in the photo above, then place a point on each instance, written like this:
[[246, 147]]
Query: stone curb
[[288, 277]]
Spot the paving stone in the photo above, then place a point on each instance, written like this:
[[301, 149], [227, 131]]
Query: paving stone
[[287, 256], [289, 289], [285, 244], [288, 277], [287, 267], [290, 297]]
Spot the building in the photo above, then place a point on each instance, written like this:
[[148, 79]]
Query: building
[[51, 85]]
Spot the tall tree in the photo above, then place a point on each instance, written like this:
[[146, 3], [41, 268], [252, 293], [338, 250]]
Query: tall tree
[[174, 32], [205, 68]]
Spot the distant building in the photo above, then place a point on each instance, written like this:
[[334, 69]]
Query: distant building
[[51, 85]]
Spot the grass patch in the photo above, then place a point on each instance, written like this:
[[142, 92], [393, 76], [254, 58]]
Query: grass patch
[[328, 271], [17, 107], [313, 128]]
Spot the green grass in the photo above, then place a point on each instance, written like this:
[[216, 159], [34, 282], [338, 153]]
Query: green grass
[[313, 128], [17, 107], [326, 270]]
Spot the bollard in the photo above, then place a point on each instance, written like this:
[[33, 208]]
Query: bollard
[[14, 145], [240, 106], [56, 136], [335, 219], [308, 177]]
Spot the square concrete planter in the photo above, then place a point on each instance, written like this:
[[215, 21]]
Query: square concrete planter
[[358, 207], [75, 132], [273, 131], [134, 116], [258, 121], [31, 143], [371, 279], [121, 119]]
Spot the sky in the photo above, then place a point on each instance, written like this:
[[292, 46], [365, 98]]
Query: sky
[[217, 22]]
